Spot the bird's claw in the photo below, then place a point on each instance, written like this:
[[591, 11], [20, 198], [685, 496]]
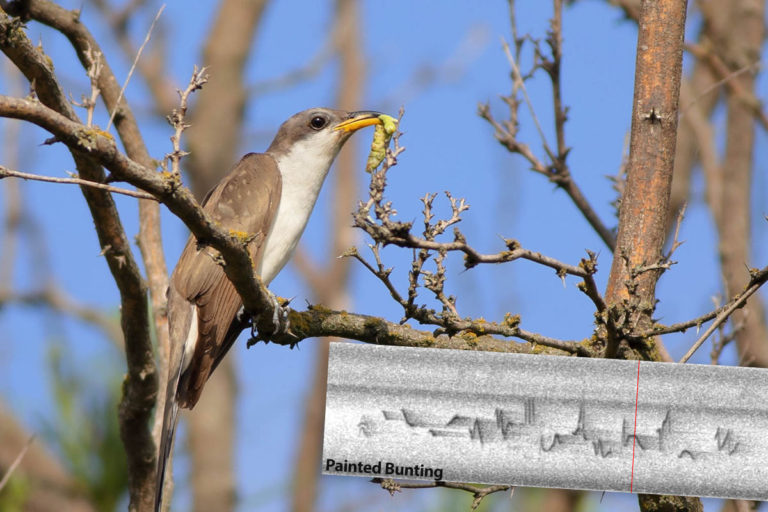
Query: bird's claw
[[280, 310], [281, 324]]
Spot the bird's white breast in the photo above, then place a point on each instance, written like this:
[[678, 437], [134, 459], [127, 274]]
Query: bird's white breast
[[303, 170]]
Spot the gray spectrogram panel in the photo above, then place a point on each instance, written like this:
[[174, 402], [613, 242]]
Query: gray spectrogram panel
[[566, 422]]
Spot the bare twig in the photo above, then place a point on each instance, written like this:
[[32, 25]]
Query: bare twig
[[557, 169], [452, 323], [552, 67], [727, 77], [520, 84], [5, 173], [683, 326], [758, 278], [16, 462], [152, 67], [176, 119], [479, 493], [717, 84], [386, 231], [722, 340], [588, 286], [675, 241], [133, 66], [93, 71]]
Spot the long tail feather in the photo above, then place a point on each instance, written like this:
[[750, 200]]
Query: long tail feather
[[170, 420], [182, 322]]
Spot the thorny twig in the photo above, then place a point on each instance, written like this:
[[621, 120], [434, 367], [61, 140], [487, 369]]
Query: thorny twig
[[176, 119], [617, 320], [665, 262]]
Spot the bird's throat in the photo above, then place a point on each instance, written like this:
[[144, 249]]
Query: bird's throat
[[303, 171]]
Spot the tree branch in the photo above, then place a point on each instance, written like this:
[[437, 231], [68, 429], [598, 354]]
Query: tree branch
[[9, 173], [150, 238], [318, 321], [178, 199], [386, 231], [758, 279], [630, 293], [141, 384], [557, 171], [478, 493], [153, 67], [176, 119], [731, 199]]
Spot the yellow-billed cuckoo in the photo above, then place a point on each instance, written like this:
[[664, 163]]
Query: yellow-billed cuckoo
[[269, 195]]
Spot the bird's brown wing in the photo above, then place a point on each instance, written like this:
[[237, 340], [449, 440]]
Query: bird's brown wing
[[245, 201]]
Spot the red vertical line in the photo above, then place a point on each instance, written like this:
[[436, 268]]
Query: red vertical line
[[634, 431]]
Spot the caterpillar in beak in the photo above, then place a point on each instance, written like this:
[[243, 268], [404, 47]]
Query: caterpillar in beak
[[381, 136]]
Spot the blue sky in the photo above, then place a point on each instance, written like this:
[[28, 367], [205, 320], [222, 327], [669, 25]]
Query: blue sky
[[448, 148]]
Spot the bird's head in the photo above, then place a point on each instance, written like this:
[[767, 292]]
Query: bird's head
[[320, 131]]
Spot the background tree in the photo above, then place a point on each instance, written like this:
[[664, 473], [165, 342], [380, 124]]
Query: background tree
[[268, 60]]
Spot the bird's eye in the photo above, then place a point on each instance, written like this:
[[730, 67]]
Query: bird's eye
[[318, 122]]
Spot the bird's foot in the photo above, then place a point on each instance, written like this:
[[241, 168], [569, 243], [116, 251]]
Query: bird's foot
[[281, 324]]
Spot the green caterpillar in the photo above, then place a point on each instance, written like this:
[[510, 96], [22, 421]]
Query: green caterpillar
[[381, 136]]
